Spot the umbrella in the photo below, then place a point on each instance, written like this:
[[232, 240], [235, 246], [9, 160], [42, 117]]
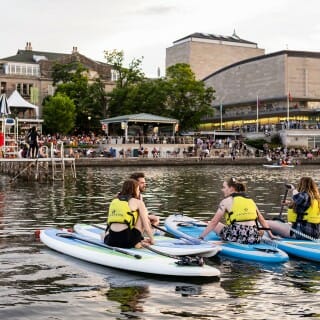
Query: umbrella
[[4, 106]]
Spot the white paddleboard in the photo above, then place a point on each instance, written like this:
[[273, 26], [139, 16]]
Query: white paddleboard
[[163, 244], [149, 262]]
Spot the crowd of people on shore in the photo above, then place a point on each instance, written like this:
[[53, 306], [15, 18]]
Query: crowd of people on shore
[[237, 218], [33, 145]]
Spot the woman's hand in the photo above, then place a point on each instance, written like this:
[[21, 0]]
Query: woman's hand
[[148, 241]]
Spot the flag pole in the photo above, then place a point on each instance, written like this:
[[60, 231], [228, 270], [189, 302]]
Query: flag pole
[[220, 116], [288, 108], [257, 114]]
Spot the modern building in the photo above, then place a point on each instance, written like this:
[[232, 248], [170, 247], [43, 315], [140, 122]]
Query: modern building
[[29, 72], [207, 53], [255, 91], [268, 90]]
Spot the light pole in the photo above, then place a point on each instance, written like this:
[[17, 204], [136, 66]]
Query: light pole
[[89, 118]]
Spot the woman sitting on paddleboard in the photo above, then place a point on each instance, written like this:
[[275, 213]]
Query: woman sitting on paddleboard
[[128, 218], [303, 212], [241, 215]]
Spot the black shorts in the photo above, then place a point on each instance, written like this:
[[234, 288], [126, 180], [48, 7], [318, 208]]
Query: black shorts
[[127, 238]]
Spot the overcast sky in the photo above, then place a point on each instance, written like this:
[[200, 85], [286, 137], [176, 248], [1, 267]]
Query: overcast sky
[[147, 27]]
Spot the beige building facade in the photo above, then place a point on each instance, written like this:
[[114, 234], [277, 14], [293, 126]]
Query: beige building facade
[[207, 53], [268, 90], [29, 72]]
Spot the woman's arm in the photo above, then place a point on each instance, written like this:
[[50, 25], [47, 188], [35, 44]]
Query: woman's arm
[[143, 213], [215, 220], [264, 223]]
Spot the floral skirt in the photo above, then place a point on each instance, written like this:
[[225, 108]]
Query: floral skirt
[[240, 233]]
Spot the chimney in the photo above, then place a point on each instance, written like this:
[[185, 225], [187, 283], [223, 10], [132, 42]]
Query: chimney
[[28, 46], [74, 50]]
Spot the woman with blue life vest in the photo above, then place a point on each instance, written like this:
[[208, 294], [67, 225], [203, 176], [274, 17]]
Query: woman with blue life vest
[[128, 219], [303, 212], [241, 215]]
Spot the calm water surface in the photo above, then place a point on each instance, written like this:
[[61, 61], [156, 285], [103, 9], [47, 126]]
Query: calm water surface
[[38, 283]]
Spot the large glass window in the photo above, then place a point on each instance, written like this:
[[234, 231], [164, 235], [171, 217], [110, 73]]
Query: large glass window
[[24, 69]]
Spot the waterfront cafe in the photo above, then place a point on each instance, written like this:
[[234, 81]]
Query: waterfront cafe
[[140, 128]]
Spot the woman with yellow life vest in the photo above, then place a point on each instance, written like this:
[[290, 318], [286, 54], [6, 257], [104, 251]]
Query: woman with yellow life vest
[[241, 215], [303, 212], [128, 218]]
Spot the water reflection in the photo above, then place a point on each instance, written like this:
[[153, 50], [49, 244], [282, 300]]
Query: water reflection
[[55, 284], [131, 299]]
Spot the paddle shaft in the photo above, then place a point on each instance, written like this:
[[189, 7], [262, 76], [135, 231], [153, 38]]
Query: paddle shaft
[[304, 235], [283, 200], [74, 236], [191, 240]]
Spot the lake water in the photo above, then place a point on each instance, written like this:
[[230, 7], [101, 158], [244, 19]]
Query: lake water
[[38, 283]]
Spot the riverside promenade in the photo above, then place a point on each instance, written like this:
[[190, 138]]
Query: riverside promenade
[[187, 161]]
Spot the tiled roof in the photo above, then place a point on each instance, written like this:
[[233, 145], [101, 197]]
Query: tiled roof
[[140, 117], [207, 36], [26, 56]]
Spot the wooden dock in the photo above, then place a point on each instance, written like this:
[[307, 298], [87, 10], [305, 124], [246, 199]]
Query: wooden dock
[[39, 169]]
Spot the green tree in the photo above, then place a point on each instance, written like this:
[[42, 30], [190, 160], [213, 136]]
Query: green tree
[[90, 99], [147, 96], [59, 114], [178, 95], [63, 73], [125, 76], [188, 100]]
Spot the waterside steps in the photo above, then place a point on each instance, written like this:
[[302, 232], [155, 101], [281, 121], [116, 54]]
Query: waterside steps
[[53, 166]]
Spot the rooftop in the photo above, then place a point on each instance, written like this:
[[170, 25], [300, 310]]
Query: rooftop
[[209, 36], [140, 117]]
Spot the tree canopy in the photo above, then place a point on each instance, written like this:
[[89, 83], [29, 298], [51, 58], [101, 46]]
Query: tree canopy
[[89, 97], [59, 114], [178, 95]]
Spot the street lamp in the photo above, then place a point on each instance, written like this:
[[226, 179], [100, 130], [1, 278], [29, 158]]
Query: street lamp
[[89, 118]]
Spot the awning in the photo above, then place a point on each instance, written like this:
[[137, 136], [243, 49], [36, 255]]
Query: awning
[[16, 101]]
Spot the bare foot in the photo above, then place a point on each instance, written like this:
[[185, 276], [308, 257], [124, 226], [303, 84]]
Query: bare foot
[[138, 245]]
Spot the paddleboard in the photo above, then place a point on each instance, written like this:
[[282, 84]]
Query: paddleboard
[[277, 166], [163, 244], [149, 262], [181, 225], [305, 249]]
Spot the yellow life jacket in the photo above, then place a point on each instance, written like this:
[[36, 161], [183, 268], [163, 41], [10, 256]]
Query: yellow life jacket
[[243, 209], [312, 214], [120, 212]]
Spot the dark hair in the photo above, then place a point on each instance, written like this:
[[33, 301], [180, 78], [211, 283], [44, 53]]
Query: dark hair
[[129, 188], [237, 185], [137, 175]]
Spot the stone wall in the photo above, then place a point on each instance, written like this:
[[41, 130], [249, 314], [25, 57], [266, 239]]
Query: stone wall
[[244, 82], [206, 58]]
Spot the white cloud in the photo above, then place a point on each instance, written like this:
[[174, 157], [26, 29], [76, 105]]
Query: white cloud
[[147, 27]]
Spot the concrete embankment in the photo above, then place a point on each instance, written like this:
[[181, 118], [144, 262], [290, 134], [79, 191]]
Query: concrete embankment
[[111, 162]]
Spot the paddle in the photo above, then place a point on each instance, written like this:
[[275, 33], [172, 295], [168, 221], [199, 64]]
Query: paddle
[[99, 244], [306, 236], [182, 260], [288, 186], [187, 239], [184, 238]]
